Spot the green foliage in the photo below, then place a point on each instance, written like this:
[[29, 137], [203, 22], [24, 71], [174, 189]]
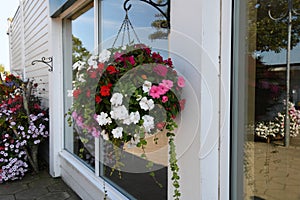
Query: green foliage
[[266, 34]]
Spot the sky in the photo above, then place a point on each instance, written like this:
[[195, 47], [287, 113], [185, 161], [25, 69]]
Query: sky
[[7, 10]]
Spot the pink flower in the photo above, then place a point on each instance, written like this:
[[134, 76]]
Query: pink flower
[[163, 89], [160, 125], [155, 92], [160, 70], [118, 56], [181, 82], [167, 83], [95, 132], [165, 99], [131, 60]]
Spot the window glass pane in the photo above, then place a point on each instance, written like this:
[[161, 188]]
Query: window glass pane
[[263, 159], [79, 43], [136, 180]]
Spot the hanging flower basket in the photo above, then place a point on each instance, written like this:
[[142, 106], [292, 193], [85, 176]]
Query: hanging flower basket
[[127, 94]]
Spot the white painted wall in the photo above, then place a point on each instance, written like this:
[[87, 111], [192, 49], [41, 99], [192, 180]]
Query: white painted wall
[[201, 34], [29, 40]]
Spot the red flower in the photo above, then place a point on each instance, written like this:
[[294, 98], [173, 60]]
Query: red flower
[[100, 67], [131, 60], [111, 69], [93, 74], [88, 93], [182, 104], [168, 62], [10, 101], [157, 57], [76, 93], [98, 99], [36, 106], [105, 90]]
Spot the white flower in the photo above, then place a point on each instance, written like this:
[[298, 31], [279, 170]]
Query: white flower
[[104, 135], [146, 104], [81, 79], [79, 64], [36, 141], [147, 86], [117, 132], [119, 112], [104, 56], [124, 47], [70, 93], [92, 61], [148, 122], [103, 119], [116, 99], [134, 117]]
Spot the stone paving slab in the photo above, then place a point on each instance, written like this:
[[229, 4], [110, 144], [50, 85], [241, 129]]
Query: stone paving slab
[[37, 187], [272, 170]]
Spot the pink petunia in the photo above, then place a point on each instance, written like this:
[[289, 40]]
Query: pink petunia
[[160, 70], [165, 99], [95, 132], [181, 82], [118, 56], [167, 83], [154, 92], [162, 89]]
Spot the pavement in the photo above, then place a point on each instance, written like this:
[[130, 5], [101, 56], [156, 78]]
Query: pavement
[[272, 170], [40, 186]]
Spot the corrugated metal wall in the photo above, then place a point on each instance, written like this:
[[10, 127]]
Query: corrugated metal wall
[[29, 40]]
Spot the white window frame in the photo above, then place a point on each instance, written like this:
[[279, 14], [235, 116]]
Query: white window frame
[[63, 163]]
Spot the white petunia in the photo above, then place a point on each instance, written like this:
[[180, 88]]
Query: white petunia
[[104, 56], [104, 135], [148, 122], [81, 79], [134, 117], [147, 86], [117, 132], [146, 104], [119, 112], [116, 99], [78, 65], [103, 119], [92, 61]]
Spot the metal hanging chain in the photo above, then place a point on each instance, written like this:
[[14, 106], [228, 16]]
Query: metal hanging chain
[[126, 25]]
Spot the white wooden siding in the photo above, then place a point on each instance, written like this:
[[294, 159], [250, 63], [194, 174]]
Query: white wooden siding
[[29, 40]]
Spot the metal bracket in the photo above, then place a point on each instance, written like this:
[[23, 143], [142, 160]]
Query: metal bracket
[[48, 61], [157, 6]]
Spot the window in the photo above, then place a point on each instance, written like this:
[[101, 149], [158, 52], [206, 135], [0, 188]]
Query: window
[[264, 165], [79, 45]]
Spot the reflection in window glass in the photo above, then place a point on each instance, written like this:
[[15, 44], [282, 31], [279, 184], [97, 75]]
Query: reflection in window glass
[[78, 140], [269, 166], [138, 178]]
